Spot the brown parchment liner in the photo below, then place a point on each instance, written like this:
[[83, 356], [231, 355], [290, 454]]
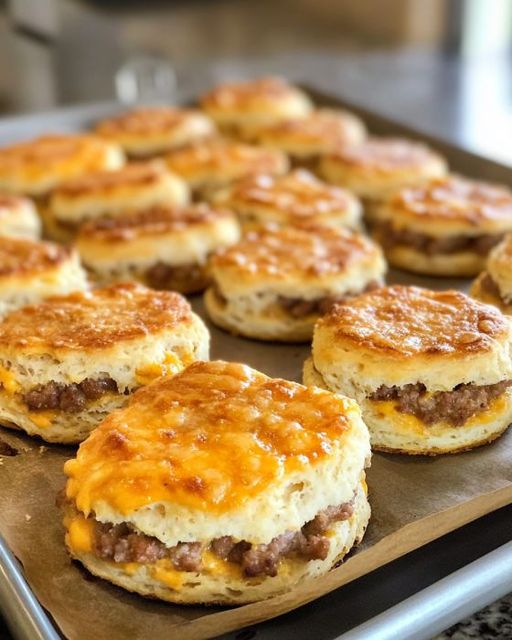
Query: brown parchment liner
[[414, 501]]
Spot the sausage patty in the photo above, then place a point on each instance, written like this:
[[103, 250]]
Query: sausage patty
[[121, 543], [390, 237], [68, 397], [188, 278], [300, 308], [454, 407]]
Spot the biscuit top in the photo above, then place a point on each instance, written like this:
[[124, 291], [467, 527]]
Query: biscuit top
[[132, 176], [309, 252], [298, 194], [386, 156], [151, 222], [155, 121], [225, 159], [68, 153], [19, 257], [409, 321], [253, 95], [454, 199], [93, 320], [210, 438], [324, 127]]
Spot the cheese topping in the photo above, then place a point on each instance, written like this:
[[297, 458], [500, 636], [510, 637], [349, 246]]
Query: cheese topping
[[171, 365], [209, 438], [8, 381]]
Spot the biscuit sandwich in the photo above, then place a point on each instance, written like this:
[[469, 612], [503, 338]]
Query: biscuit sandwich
[[445, 227], [67, 362], [109, 194], [32, 270], [275, 283], [219, 486], [18, 217], [307, 138], [152, 131], [216, 163], [494, 284], [238, 108], [296, 198], [35, 167], [378, 167], [162, 247], [431, 370]]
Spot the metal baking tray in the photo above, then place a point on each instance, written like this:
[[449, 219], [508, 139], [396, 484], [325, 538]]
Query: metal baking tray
[[412, 598]]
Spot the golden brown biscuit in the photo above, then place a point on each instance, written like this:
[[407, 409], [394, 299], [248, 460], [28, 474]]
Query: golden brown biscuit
[[67, 362], [296, 198], [31, 271], [274, 284], [215, 486], [163, 247], [494, 285], [216, 163], [240, 107], [305, 139], [445, 227], [431, 370], [150, 131], [18, 217], [107, 194], [378, 167], [37, 166]]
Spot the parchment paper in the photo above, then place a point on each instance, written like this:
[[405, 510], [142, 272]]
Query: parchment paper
[[414, 500]]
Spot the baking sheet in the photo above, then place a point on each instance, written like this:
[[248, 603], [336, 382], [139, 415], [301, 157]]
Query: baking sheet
[[414, 500]]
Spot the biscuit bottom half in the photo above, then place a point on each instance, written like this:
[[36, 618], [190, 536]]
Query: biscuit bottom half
[[67, 425], [223, 571], [399, 423], [272, 317], [450, 255], [185, 278], [485, 289]]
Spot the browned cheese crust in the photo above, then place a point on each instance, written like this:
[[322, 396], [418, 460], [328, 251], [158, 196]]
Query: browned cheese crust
[[223, 159], [410, 321], [385, 156], [19, 257], [134, 174], [298, 194], [151, 222], [248, 95], [308, 251], [93, 320]]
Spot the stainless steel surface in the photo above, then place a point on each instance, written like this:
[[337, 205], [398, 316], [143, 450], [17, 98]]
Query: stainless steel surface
[[25, 616], [439, 606]]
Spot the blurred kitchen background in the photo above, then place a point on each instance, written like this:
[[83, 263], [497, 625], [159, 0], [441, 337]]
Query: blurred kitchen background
[[444, 66]]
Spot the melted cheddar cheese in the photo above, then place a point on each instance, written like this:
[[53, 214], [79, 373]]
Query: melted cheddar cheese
[[217, 566], [209, 438], [164, 572], [80, 533], [8, 381], [407, 422], [171, 364], [42, 419]]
